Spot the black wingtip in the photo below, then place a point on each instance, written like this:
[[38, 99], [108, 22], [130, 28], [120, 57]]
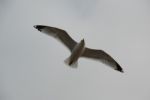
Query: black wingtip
[[119, 68], [39, 27]]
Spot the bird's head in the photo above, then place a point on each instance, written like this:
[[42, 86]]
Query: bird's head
[[82, 40]]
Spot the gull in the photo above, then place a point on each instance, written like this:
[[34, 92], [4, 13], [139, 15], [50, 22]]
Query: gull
[[78, 49]]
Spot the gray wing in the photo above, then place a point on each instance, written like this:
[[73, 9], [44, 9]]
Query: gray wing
[[60, 34], [103, 57]]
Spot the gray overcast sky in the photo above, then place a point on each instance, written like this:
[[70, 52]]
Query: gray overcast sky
[[32, 64]]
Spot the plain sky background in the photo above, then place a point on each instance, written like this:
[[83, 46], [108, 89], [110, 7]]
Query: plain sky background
[[32, 64]]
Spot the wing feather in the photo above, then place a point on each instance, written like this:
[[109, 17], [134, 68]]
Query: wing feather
[[60, 34], [103, 57]]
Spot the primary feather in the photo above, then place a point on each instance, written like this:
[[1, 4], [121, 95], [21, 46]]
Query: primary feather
[[103, 57], [59, 34]]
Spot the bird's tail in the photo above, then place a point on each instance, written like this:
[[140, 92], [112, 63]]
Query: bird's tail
[[73, 65]]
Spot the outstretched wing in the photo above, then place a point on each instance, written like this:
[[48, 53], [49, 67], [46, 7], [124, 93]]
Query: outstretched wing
[[59, 34], [103, 57]]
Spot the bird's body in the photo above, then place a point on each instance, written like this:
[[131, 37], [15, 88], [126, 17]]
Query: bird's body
[[78, 49], [76, 53]]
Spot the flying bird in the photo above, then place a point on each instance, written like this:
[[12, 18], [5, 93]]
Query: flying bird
[[78, 49]]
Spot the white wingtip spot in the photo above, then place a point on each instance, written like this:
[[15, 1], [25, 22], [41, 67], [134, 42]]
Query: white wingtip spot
[[34, 26]]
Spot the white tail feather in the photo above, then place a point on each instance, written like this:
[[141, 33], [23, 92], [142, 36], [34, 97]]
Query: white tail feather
[[73, 65], [67, 61]]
